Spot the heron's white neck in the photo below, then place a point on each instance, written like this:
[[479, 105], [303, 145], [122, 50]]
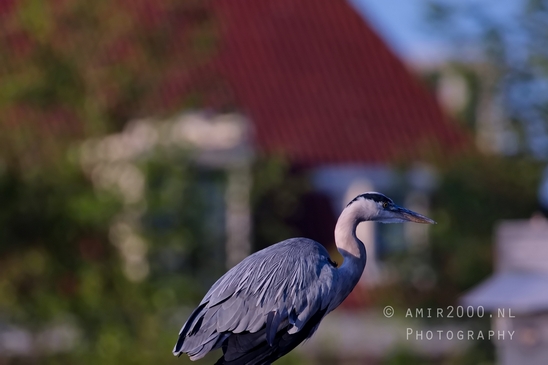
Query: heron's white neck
[[351, 249]]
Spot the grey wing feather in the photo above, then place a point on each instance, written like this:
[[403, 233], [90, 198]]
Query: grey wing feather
[[285, 283]]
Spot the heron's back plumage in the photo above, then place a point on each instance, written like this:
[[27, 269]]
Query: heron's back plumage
[[264, 306]]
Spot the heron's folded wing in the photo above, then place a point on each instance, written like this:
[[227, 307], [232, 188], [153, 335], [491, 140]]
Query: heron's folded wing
[[287, 283]]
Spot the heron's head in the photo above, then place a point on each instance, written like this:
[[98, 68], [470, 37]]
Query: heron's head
[[377, 207]]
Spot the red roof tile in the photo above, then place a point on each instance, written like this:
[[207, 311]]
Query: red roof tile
[[320, 85]]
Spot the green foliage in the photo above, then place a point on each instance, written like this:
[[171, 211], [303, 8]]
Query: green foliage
[[183, 224], [474, 194], [58, 264], [511, 70], [78, 68], [477, 192], [66, 242], [276, 200], [55, 258]]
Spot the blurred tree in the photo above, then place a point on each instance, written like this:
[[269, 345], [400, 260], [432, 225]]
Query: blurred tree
[[78, 68], [476, 191], [184, 224], [71, 70], [277, 201], [98, 275], [510, 42]]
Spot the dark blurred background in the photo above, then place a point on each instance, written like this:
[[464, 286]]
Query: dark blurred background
[[148, 146]]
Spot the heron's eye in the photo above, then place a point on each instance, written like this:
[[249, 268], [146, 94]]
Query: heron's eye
[[384, 204]]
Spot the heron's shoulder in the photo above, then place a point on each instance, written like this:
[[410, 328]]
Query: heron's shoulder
[[299, 245], [284, 255]]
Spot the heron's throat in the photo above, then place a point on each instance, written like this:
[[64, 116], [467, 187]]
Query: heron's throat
[[348, 244], [352, 251]]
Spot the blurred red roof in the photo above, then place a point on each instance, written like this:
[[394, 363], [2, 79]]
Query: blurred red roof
[[317, 82], [321, 86]]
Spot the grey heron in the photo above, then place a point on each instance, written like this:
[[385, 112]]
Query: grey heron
[[274, 299]]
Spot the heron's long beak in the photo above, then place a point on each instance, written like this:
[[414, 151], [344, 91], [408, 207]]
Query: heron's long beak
[[409, 215]]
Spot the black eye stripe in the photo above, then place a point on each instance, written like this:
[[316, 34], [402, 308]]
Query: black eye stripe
[[376, 197]]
